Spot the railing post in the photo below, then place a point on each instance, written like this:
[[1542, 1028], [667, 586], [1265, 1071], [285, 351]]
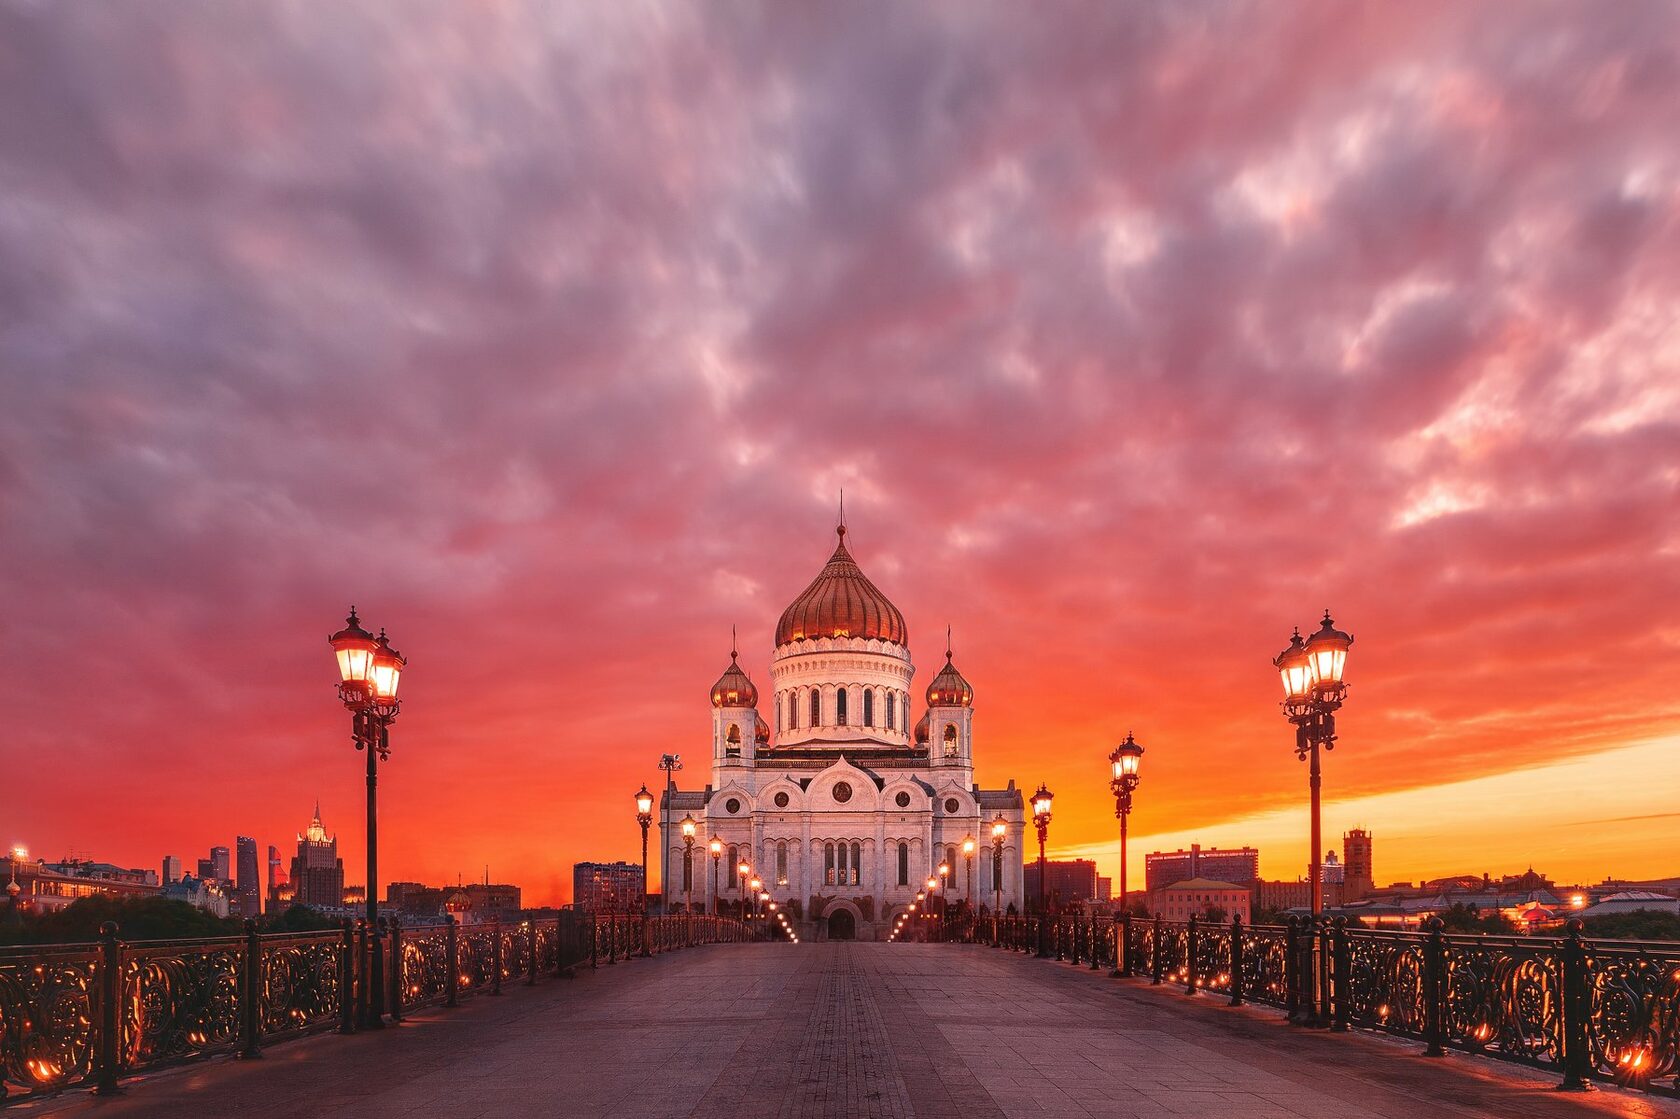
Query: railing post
[[1577, 1057], [1190, 956], [1122, 934], [1291, 972], [1155, 951], [394, 926], [250, 990], [452, 950], [1236, 960], [364, 993], [1340, 965], [561, 968], [1091, 941], [110, 1009], [1434, 988], [1323, 1017], [347, 978], [496, 955]]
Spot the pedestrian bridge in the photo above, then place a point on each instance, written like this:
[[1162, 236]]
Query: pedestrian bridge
[[846, 1029]]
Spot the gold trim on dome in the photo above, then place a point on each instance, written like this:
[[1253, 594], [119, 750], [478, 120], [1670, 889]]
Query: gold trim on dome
[[841, 602]]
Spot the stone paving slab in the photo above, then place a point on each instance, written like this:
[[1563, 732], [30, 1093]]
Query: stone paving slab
[[777, 1031]]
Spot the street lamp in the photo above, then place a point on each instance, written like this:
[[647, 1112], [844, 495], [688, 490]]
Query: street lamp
[[717, 855], [1124, 759], [742, 870], [690, 826], [644, 817], [1000, 829], [369, 671], [1312, 691], [1041, 802], [757, 894]]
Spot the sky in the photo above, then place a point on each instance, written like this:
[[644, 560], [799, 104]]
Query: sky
[[547, 335]]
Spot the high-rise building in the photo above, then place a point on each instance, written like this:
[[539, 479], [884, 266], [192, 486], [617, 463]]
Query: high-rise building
[[1356, 863], [1238, 864], [1331, 871], [171, 869], [247, 894], [221, 866], [1065, 881], [607, 887], [276, 878], [206, 870], [317, 871]]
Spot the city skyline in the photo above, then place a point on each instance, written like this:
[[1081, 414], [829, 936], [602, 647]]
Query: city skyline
[[1132, 343]]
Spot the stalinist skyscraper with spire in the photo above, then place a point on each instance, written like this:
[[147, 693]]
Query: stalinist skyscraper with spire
[[317, 871], [843, 800]]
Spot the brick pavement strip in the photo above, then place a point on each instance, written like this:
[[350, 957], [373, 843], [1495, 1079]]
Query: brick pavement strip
[[773, 1030]]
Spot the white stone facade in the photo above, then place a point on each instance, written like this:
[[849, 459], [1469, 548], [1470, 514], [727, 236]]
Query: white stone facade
[[846, 815]]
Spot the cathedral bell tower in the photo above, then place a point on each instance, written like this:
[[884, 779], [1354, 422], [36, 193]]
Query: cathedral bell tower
[[737, 729], [950, 719]]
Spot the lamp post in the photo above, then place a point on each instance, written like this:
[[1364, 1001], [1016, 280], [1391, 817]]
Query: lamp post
[[1312, 692], [644, 817], [1000, 829], [757, 887], [1124, 759], [717, 855], [1041, 802], [968, 859], [689, 827], [743, 869], [368, 673]]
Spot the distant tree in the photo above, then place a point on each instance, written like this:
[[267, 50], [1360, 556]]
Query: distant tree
[[1269, 915], [300, 918], [145, 918], [1464, 917], [1641, 924], [1214, 914]]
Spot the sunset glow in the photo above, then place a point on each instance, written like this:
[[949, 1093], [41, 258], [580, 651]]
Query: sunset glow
[[552, 344]]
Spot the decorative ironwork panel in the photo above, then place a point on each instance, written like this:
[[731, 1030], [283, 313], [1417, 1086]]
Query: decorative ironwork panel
[[180, 999], [1506, 996], [1385, 989], [477, 956], [516, 949], [1264, 951], [548, 946], [1142, 947], [1633, 1021], [49, 1032], [1172, 946], [1213, 957], [425, 964], [299, 983]]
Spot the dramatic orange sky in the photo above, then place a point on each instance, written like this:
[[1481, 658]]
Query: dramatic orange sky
[[548, 338]]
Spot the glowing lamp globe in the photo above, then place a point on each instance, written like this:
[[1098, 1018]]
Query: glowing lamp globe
[[644, 802], [1000, 828], [1327, 651], [744, 869], [1126, 758], [1294, 670], [354, 647], [968, 845], [717, 847], [386, 671], [689, 827], [1041, 802]]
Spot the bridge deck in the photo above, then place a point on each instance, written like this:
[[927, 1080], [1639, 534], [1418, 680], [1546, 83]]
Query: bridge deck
[[849, 1030]]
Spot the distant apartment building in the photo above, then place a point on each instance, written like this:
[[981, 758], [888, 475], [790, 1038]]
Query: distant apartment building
[[44, 887], [1357, 880], [1066, 881], [1237, 864], [206, 894], [171, 869], [1200, 897], [472, 899], [608, 887], [1105, 888]]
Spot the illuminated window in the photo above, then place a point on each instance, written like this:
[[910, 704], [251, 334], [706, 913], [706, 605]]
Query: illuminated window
[[903, 864], [781, 864], [868, 707], [950, 740], [828, 864], [816, 707], [843, 879], [857, 862], [892, 722], [840, 708]]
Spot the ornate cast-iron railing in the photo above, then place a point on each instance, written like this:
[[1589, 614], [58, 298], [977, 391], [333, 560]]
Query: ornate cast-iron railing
[[1587, 1009], [94, 1013]]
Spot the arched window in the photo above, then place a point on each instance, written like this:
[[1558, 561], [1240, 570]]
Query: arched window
[[857, 862], [844, 878], [793, 711], [892, 721], [840, 707], [869, 707], [816, 707], [781, 864], [778, 718], [950, 740], [903, 864], [734, 861], [828, 864], [951, 861]]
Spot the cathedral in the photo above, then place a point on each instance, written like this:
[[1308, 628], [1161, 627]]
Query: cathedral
[[841, 804]]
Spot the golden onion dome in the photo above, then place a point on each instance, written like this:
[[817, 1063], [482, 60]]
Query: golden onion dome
[[949, 689], [734, 688], [842, 602]]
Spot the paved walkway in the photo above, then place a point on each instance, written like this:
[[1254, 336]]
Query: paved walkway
[[848, 1030]]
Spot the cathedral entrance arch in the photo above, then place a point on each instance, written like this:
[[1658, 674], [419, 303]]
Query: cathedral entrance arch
[[842, 925]]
